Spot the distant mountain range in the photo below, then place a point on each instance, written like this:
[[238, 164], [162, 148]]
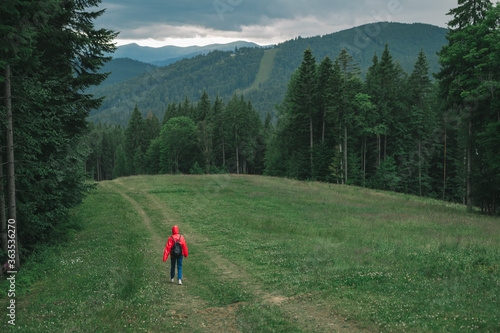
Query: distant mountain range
[[122, 69], [163, 56], [260, 73]]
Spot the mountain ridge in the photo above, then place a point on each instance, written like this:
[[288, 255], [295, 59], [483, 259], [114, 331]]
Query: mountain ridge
[[165, 55], [223, 73]]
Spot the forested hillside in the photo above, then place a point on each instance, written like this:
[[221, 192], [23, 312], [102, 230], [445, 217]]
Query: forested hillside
[[388, 129], [219, 72], [50, 53], [224, 73], [121, 69], [162, 56], [359, 110]]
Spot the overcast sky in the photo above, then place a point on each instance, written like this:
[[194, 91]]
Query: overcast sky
[[202, 22]]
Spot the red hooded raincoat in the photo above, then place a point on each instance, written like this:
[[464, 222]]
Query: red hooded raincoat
[[170, 243]]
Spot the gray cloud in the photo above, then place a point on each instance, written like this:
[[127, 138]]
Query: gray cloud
[[260, 19]]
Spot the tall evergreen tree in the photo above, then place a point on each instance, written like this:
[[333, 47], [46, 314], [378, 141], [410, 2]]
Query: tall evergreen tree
[[220, 123], [420, 122], [386, 100], [463, 67], [302, 109], [328, 104], [18, 30], [202, 110], [204, 128], [170, 113], [373, 87], [326, 89], [135, 137], [468, 12], [55, 53], [178, 145], [350, 87]]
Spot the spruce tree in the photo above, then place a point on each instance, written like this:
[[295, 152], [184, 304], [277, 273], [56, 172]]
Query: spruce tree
[[464, 67], [178, 145], [135, 137], [329, 95], [220, 123], [350, 87], [325, 74], [468, 12], [301, 111], [205, 129], [386, 101], [420, 122], [373, 88], [55, 53]]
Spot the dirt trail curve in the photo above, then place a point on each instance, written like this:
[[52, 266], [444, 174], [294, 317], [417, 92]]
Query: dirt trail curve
[[301, 310]]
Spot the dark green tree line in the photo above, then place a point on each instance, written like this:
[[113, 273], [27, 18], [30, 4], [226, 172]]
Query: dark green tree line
[[202, 137], [50, 53], [392, 130], [377, 133], [469, 89], [400, 131]]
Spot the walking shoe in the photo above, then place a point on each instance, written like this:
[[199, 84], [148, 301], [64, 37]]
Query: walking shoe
[[172, 280], [180, 281]]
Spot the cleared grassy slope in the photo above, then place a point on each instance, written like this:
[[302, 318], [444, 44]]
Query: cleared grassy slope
[[265, 69], [266, 254]]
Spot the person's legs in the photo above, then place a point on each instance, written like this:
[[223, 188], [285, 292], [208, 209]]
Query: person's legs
[[179, 267], [172, 267]]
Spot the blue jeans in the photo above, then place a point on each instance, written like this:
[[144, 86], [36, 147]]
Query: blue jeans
[[179, 267]]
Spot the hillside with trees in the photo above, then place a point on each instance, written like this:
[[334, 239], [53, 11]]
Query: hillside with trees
[[225, 72], [166, 55], [121, 69], [50, 53], [388, 129], [386, 123], [219, 72]]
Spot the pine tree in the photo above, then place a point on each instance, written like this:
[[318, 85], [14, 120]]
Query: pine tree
[[220, 131], [251, 137], [420, 122], [170, 113], [120, 169], [202, 110], [153, 126], [386, 101], [301, 110], [469, 12], [234, 111], [205, 129], [464, 68], [135, 137], [329, 102], [365, 123], [178, 145], [18, 31], [55, 53], [350, 86], [325, 92], [152, 157], [373, 87]]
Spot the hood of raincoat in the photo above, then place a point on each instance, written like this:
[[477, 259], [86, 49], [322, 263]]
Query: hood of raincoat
[[175, 230]]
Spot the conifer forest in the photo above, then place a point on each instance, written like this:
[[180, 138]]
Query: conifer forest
[[415, 132]]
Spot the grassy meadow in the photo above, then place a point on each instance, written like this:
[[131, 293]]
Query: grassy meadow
[[265, 255]]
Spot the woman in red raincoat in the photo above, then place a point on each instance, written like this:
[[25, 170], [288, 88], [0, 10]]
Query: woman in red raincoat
[[176, 237]]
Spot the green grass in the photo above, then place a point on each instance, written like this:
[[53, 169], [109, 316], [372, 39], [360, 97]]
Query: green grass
[[265, 69], [351, 257]]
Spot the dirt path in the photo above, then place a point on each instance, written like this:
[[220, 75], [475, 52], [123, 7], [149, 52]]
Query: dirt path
[[303, 311]]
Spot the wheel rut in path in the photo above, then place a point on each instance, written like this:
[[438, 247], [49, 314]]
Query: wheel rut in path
[[190, 308], [216, 319], [182, 299]]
